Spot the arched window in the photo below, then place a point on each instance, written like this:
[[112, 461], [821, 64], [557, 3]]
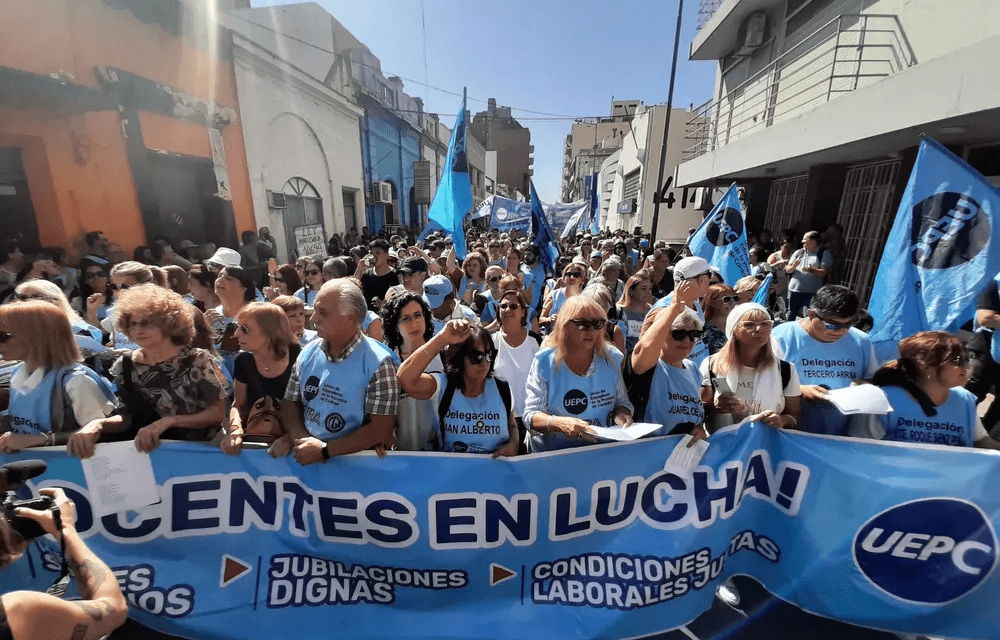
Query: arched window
[[303, 207]]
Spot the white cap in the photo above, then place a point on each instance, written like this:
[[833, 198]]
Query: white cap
[[691, 267], [226, 257]]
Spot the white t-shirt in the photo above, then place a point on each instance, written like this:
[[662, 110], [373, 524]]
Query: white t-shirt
[[513, 365], [744, 392]]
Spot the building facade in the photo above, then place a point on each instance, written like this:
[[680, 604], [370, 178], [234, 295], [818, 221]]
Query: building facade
[[591, 141], [302, 136], [820, 104], [109, 121], [497, 130]]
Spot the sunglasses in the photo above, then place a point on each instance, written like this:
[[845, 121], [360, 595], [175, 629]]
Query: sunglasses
[[141, 324], [506, 307], [312, 272], [119, 287], [476, 356], [493, 279], [574, 274], [281, 280], [706, 273], [754, 326], [833, 326], [680, 335], [4, 337], [94, 275], [729, 299], [584, 324]]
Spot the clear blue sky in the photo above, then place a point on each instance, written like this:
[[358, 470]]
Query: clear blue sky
[[567, 57]]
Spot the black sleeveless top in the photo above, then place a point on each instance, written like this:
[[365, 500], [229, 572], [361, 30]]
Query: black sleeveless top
[[5, 633]]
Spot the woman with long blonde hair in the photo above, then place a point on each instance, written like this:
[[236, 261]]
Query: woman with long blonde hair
[[746, 377], [575, 381]]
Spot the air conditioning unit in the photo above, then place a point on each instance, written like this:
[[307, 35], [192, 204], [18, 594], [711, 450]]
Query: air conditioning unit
[[627, 206], [275, 200], [382, 193], [752, 33]]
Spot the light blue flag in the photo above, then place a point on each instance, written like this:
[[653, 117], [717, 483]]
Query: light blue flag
[[765, 288], [722, 238], [545, 240], [453, 198], [940, 253]]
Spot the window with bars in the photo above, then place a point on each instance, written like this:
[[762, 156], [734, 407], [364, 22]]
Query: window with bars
[[784, 203], [866, 214], [631, 187]]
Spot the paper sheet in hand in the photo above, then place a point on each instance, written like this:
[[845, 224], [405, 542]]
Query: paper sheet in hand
[[860, 398], [634, 431], [684, 457], [119, 478]]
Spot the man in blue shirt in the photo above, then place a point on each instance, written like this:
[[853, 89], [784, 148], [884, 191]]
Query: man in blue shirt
[[828, 353], [343, 393]]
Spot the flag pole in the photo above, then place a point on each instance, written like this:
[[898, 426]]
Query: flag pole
[[666, 125]]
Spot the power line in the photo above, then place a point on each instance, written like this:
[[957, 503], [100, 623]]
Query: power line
[[423, 84]]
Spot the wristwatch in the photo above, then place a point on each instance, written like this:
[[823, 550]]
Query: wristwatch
[[326, 451]]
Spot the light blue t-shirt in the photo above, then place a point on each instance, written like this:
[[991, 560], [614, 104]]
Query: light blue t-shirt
[[954, 424], [675, 397], [831, 364], [306, 296], [473, 425]]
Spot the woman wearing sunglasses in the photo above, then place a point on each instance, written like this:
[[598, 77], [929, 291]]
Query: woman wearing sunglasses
[[575, 381], [51, 392], [574, 277], [313, 280], [663, 384], [634, 306], [720, 302], [516, 349], [474, 409], [235, 288], [925, 389], [261, 369], [407, 326], [168, 389], [94, 292], [123, 276], [285, 281], [747, 378]]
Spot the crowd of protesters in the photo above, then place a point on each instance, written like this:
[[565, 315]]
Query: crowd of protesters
[[388, 344]]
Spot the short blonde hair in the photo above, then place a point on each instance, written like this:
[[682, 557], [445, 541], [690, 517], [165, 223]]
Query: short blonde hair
[[47, 292], [46, 330], [138, 271], [166, 308], [272, 322], [573, 307]]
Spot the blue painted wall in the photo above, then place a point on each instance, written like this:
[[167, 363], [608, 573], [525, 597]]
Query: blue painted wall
[[390, 146]]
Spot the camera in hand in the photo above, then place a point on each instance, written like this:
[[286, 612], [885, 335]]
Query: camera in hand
[[13, 476]]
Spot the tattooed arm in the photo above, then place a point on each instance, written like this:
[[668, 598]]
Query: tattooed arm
[[39, 616]]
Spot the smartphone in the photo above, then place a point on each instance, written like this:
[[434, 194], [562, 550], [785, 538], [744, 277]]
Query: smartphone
[[721, 386]]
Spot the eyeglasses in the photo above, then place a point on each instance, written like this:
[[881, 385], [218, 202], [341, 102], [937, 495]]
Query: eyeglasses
[[706, 273], [94, 275], [419, 315], [122, 287], [764, 325], [506, 306], [4, 337], [729, 299], [961, 361], [680, 335], [573, 274], [281, 280], [497, 279], [476, 356], [592, 324], [832, 326], [312, 272]]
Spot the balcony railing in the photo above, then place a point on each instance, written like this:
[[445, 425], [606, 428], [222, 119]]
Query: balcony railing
[[850, 52]]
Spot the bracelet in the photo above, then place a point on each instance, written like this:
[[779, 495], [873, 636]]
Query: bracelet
[[795, 422], [326, 451], [50, 438], [548, 424]]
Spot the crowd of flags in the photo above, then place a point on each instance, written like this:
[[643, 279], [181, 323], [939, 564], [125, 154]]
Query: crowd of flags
[[940, 253]]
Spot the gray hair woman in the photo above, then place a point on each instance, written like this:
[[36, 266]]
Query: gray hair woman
[[88, 337]]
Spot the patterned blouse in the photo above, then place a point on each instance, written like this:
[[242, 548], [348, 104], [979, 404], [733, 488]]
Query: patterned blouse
[[714, 338], [186, 384]]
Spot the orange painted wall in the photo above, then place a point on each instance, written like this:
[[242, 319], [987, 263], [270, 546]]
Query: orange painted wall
[[77, 167]]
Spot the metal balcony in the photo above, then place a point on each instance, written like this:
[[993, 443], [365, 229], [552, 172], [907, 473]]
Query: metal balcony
[[850, 52]]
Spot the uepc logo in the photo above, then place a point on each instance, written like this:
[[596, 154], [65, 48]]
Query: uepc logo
[[311, 389], [929, 551], [726, 227], [502, 213], [949, 229], [575, 401]]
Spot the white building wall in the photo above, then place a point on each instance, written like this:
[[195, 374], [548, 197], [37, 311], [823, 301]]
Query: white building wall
[[294, 126]]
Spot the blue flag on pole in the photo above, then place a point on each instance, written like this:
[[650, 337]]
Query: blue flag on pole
[[765, 288], [545, 240], [722, 238], [940, 253], [453, 198]]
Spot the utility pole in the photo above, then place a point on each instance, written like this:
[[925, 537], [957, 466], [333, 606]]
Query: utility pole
[[666, 124]]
